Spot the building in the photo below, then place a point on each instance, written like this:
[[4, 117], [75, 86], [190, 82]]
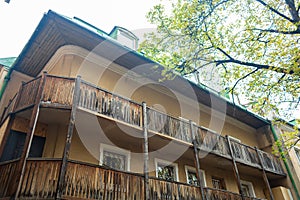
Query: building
[[290, 147], [86, 117]]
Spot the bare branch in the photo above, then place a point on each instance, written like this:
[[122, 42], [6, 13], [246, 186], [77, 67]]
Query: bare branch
[[232, 89], [275, 11], [276, 31]]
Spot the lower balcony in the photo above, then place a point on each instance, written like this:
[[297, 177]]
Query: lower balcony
[[88, 181]]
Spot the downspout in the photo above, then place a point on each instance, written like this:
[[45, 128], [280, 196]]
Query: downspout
[[285, 162]]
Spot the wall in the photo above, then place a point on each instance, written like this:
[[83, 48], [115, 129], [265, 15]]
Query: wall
[[12, 88], [114, 78]]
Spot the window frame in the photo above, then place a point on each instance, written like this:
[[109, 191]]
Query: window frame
[[250, 185], [221, 180], [116, 150], [188, 168], [297, 153], [167, 163]]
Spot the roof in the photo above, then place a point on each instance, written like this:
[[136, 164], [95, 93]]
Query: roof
[[55, 31], [7, 62]]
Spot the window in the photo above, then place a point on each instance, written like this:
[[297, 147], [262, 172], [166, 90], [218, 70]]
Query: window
[[15, 144], [191, 176], [114, 157], [166, 170], [297, 152], [218, 183], [247, 188]]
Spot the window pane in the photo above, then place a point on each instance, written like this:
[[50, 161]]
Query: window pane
[[114, 160], [246, 190], [166, 172], [192, 178], [218, 183]]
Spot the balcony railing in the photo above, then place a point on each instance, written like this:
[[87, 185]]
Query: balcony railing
[[88, 181], [59, 91]]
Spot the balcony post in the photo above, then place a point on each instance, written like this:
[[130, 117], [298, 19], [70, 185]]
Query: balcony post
[[264, 174], [29, 133], [146, 152], [65, 157], [235, 168], [196, 159]]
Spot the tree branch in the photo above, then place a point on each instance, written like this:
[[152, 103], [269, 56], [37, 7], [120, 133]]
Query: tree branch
[[275, 11], [257, 66], [235, 84], [297, 31]]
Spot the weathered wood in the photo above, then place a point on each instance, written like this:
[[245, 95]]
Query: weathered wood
[[245, 154], [168, 125], [197, 160], [8, 171], [58, 91], [106, 103], [164, 190], [40, 179], [96, 182], [66, 152], [235, 169], [216, 194], [30, 132], [266, 181], [28, 94], [146, 154], [270, 162]]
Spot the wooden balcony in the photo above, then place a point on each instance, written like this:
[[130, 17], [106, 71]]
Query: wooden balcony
[[57, 92], [87, 181]]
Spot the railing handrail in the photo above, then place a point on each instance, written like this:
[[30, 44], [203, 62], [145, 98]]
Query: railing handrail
[[182, 137], [106, 91]]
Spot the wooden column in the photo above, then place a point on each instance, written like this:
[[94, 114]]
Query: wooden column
[[235, 169], [264, 174], [75, 102], [196, 159], [146, 152], [30, 133]]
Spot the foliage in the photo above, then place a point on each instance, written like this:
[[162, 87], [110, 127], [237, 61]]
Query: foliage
[[253, 45]]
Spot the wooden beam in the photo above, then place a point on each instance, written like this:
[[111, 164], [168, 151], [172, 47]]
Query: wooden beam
[[264, 174], [196, 159], [235, 168], [61, 180], [29, 134], [146, 152]]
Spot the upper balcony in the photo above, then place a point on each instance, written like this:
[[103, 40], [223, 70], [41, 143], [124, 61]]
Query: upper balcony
[[58, 93]]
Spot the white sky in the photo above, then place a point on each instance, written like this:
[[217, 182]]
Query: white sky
[[19, 18]]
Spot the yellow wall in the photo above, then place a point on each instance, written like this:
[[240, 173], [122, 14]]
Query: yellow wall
[[115, 79], [281, 193], [12, 88]]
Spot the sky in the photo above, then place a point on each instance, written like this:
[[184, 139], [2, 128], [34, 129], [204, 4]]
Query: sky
[[19, 18]]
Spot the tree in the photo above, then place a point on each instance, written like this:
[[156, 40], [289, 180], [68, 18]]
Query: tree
[[254, 45]]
